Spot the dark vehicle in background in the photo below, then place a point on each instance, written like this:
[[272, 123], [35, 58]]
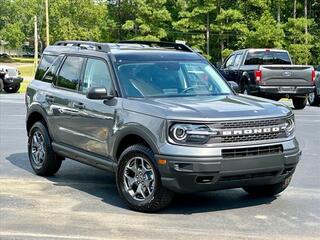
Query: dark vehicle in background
[[314, 97], [270, 73], [11, 78], [160, 117]]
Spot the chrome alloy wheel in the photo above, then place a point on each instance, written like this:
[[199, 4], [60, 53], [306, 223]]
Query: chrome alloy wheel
[[139, 179], [37, 148], [311, 97]]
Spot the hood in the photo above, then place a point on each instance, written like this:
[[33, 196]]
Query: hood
[[208, 108]]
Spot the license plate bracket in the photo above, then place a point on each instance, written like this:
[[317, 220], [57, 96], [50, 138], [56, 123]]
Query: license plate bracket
[[287, 89]]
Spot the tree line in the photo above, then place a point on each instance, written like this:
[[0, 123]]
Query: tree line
[[215, 27]]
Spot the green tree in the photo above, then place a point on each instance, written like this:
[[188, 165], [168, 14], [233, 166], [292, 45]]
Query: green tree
[[194, 21], [151, 20], [265, 33], [232, 28], [78, 19], [297, 38], [12, 34]]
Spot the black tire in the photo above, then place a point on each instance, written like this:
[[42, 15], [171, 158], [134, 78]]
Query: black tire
[[51, 161], [246, 90], [268, 190], [299, 102], [12, 89], [160, 197], [314, 99]]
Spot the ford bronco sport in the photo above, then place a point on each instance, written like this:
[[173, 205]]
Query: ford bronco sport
[[160, 117]]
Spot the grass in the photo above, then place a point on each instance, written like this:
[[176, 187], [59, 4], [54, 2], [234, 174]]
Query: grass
[[22, 60], [16, 60], [23, 86], [26, 73]]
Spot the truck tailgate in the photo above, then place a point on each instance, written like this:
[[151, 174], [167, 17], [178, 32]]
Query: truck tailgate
[[286, 75]]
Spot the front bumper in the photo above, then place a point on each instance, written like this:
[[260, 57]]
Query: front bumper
[[193, 174], [12, 81], [284, 90]]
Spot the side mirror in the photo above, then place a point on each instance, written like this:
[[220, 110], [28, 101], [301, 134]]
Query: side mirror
[[234, 86], [98, 93]]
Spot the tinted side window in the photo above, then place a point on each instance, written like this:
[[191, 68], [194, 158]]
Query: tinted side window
[[50, 74], [69, 74], [45, 63], [230, 61], [96, 75]]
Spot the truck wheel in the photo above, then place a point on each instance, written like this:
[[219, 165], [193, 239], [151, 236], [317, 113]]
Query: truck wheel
[[1, 84], [299, 102], [268, 190], [314, 99], [138, 180], [43, 159], [246, 90], [12, 89]]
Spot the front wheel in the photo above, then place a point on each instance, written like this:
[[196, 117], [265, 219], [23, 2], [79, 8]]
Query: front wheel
[[314, 99], [44, 161], [138, 180], [12, 89], [299, 102], [268, 190]]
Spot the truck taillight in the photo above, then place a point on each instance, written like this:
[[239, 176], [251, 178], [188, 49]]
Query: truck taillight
[[258, 74], [313, 76]]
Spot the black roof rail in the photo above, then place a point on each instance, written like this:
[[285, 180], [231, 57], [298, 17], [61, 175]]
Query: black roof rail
[[102, 47], [177, 46]]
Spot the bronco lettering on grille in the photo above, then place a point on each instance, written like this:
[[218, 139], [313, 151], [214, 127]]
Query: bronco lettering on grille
[[250, 131]]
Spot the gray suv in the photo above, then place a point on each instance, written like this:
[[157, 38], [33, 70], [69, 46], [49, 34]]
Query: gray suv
[[160, 117]]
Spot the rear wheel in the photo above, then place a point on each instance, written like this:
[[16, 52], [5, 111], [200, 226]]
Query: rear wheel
[[138, 180], [268, 190], [299, 102], [313, 98], [43, 159], [12, 89], [245, 89]]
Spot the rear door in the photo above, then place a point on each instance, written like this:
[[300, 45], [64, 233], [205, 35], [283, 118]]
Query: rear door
[[93, 125], [63, 97]]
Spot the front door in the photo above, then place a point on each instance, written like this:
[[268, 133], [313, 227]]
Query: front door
[[94, 124]]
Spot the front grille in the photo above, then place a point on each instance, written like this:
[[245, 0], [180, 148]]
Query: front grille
[[247, 125], [248, 176], [247, 138], [253, 151]]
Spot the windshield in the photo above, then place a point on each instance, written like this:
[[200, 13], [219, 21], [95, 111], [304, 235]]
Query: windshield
[[171, 79]]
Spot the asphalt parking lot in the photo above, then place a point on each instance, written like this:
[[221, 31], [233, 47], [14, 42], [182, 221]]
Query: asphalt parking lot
[[82, 202]]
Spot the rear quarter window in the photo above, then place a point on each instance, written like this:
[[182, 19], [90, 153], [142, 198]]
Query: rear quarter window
[[69, 75], [50, 74], [44, 65], [267, 58]]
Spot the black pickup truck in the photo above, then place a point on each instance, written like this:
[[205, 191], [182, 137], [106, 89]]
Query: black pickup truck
[[270, 73]]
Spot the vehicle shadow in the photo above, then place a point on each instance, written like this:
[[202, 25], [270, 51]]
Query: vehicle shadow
[[101, 184]]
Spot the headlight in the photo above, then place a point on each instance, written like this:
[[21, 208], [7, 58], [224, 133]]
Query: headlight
[[190, 133], [289, 126]]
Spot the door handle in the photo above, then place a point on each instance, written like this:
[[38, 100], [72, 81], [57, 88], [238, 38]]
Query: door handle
[[79, 105], [49, 98]]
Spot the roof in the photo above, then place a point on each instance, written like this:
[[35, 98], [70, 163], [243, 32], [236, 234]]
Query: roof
[[127, 50], [263, 49]]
